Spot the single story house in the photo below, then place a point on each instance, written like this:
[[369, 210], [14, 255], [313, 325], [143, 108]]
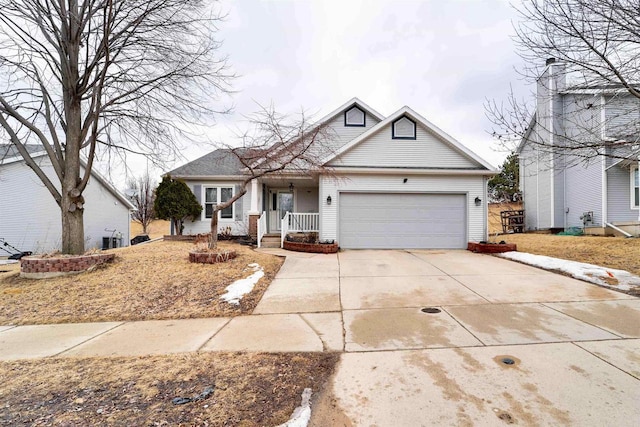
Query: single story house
[[394, 182], [31, 217], [595, 190]]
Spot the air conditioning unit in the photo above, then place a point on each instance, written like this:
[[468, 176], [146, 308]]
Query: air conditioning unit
[[587, 217]]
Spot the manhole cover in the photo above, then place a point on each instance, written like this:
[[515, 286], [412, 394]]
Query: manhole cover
[[431, 310]]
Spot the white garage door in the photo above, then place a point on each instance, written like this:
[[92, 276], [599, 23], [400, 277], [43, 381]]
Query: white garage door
[[402, 221]]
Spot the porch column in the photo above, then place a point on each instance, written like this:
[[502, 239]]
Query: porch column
[[254, 211]]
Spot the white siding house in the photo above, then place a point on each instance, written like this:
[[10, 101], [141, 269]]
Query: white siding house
[[31, 218], [393, 182], [581, 187]]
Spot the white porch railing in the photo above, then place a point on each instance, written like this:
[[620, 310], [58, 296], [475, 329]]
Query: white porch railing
[[298, 223], [262, 227]]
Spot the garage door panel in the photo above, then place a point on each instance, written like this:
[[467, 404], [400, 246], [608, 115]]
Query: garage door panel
[[382, 221]]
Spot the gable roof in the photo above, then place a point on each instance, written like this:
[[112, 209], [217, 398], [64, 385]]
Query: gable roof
[[220, 162], [9, 154], [448, 139]]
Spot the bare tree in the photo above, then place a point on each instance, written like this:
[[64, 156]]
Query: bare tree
[[594, 46], [142, 196], [90, 79], [278, 145]]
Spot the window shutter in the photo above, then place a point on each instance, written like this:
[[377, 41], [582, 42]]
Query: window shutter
[[197, 191], [238, 203]]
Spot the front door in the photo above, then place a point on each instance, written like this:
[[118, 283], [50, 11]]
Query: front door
[[280, 202]]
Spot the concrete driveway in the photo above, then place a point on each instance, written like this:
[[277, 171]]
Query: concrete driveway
[[508, 343]]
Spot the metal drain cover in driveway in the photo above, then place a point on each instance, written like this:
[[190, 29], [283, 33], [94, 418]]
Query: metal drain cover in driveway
[[431, 310]]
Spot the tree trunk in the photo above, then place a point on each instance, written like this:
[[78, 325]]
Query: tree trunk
[[213, 240], [72, 226]]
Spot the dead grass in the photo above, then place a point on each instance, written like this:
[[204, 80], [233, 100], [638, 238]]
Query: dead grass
[[157, 228], [150, 281], [249, 389], [612, 252]]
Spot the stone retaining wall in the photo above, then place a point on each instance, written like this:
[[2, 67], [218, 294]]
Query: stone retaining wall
[[40, 268], [317, 248], [491, 248]]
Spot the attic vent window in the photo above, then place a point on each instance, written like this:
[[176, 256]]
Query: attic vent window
[[354, 117], [404, 128]]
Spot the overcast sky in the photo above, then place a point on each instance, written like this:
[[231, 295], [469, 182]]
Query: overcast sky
[[441, 58]]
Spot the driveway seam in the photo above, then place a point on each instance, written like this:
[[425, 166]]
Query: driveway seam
[[463, 326], [580, 320], [324, 344], [344, 329], [604, 360]]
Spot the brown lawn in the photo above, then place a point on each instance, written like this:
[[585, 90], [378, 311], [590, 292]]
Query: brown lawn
[[150, 281], [248, 389], [495, 223], [157, 228], [612, 252]]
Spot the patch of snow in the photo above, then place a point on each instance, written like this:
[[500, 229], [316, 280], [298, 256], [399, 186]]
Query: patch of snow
[[588, 272], [8, 261], [302, 414], [241, 287]]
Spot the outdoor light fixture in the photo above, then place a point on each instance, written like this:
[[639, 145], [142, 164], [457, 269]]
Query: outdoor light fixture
[[478, 201], [328, 200], [291, 187], [405, 180]]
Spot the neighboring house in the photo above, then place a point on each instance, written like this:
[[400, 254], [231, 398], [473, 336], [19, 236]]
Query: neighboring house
[[580, 187], [31, 218], [394, 182]]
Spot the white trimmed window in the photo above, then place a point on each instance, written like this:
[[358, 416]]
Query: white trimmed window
[[403, 128], [635, 188], [214, 196], [354, 117]]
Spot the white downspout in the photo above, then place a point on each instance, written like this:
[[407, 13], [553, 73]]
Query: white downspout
[[604, 192]]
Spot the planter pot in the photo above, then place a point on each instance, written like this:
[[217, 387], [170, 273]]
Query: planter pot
[[491, 248], [211, 257]]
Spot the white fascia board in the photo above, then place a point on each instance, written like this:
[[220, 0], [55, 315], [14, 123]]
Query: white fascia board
[[525, 137], [337, 170], [424, 122]]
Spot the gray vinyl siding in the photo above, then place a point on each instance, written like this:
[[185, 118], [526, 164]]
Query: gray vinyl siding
[[545, 173], [31, 218], [619, 195], [622, 116], [426, 151], [528, 162], [472, 186], [341, 134], [239, 223], [306, 199], [584, 193]]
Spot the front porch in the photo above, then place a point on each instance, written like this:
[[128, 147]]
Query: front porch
[[280, 206]]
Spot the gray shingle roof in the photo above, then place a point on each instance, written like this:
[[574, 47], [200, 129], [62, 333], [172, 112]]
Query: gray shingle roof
[[218, 162]]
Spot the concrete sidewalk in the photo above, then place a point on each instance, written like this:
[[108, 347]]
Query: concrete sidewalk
[[574, 345]]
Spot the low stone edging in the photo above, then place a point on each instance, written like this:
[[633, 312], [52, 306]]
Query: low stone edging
[[316, 248], [41, 268], [210, 257], [491, 248]]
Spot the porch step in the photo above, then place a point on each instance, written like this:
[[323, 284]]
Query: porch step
[[272, 241]]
